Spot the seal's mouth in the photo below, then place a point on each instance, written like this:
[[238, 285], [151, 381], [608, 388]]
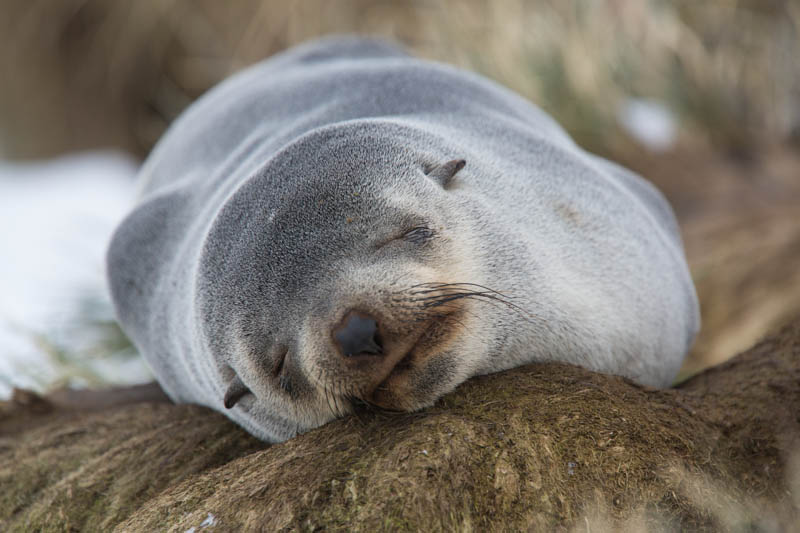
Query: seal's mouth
[[404, 365], [394, 390], [389, 392]]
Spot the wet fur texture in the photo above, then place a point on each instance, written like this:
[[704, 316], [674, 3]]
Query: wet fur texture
[[317, 182]]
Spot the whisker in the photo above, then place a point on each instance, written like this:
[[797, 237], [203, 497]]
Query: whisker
[[487, 295], [447, 294], [436, 286], [435, 302], [524, 312]]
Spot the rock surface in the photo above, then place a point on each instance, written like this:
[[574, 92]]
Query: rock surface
[[539, 447]]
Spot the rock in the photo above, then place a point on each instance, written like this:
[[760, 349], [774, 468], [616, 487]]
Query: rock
[[539, 447]]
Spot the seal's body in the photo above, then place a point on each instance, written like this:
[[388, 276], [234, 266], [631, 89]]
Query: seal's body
[[344, 223]]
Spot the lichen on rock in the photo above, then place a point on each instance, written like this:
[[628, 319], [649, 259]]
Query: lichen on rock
[[542, 446]]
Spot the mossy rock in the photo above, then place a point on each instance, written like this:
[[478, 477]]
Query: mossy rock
[[542, 447]]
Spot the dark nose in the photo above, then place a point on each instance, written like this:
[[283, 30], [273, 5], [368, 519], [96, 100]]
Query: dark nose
[[358, 334]]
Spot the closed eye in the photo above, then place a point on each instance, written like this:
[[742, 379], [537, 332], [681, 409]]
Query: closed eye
[[418, 235]]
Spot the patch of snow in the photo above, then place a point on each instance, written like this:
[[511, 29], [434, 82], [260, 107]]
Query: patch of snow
[[56, 218], [209, 521], [650, 122]]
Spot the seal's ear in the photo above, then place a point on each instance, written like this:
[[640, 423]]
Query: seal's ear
[[236, 390], [444, 173]]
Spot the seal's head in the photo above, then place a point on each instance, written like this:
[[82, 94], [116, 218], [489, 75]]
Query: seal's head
[[338, 275]]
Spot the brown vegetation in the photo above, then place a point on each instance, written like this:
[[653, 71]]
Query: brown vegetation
[[539, 447], [86, 73]]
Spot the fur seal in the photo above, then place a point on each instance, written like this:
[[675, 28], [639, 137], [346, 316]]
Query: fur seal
[[344, 223]]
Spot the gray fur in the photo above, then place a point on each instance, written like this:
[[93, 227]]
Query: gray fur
[[282, 198]]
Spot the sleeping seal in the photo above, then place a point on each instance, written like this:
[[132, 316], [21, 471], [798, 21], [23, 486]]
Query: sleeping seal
[[343, 223]]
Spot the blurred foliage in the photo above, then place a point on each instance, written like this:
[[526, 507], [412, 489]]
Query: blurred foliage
[[85, 73]]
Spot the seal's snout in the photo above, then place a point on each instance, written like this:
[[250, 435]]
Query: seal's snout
[[357, 335]]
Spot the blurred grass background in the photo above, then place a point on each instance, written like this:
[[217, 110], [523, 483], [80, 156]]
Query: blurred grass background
[[83, 73], [80, 74]]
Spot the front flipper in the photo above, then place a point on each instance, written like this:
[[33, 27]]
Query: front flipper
[[236, 390]]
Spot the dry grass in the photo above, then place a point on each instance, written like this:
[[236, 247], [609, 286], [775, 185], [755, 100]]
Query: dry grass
[[81, 73]]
